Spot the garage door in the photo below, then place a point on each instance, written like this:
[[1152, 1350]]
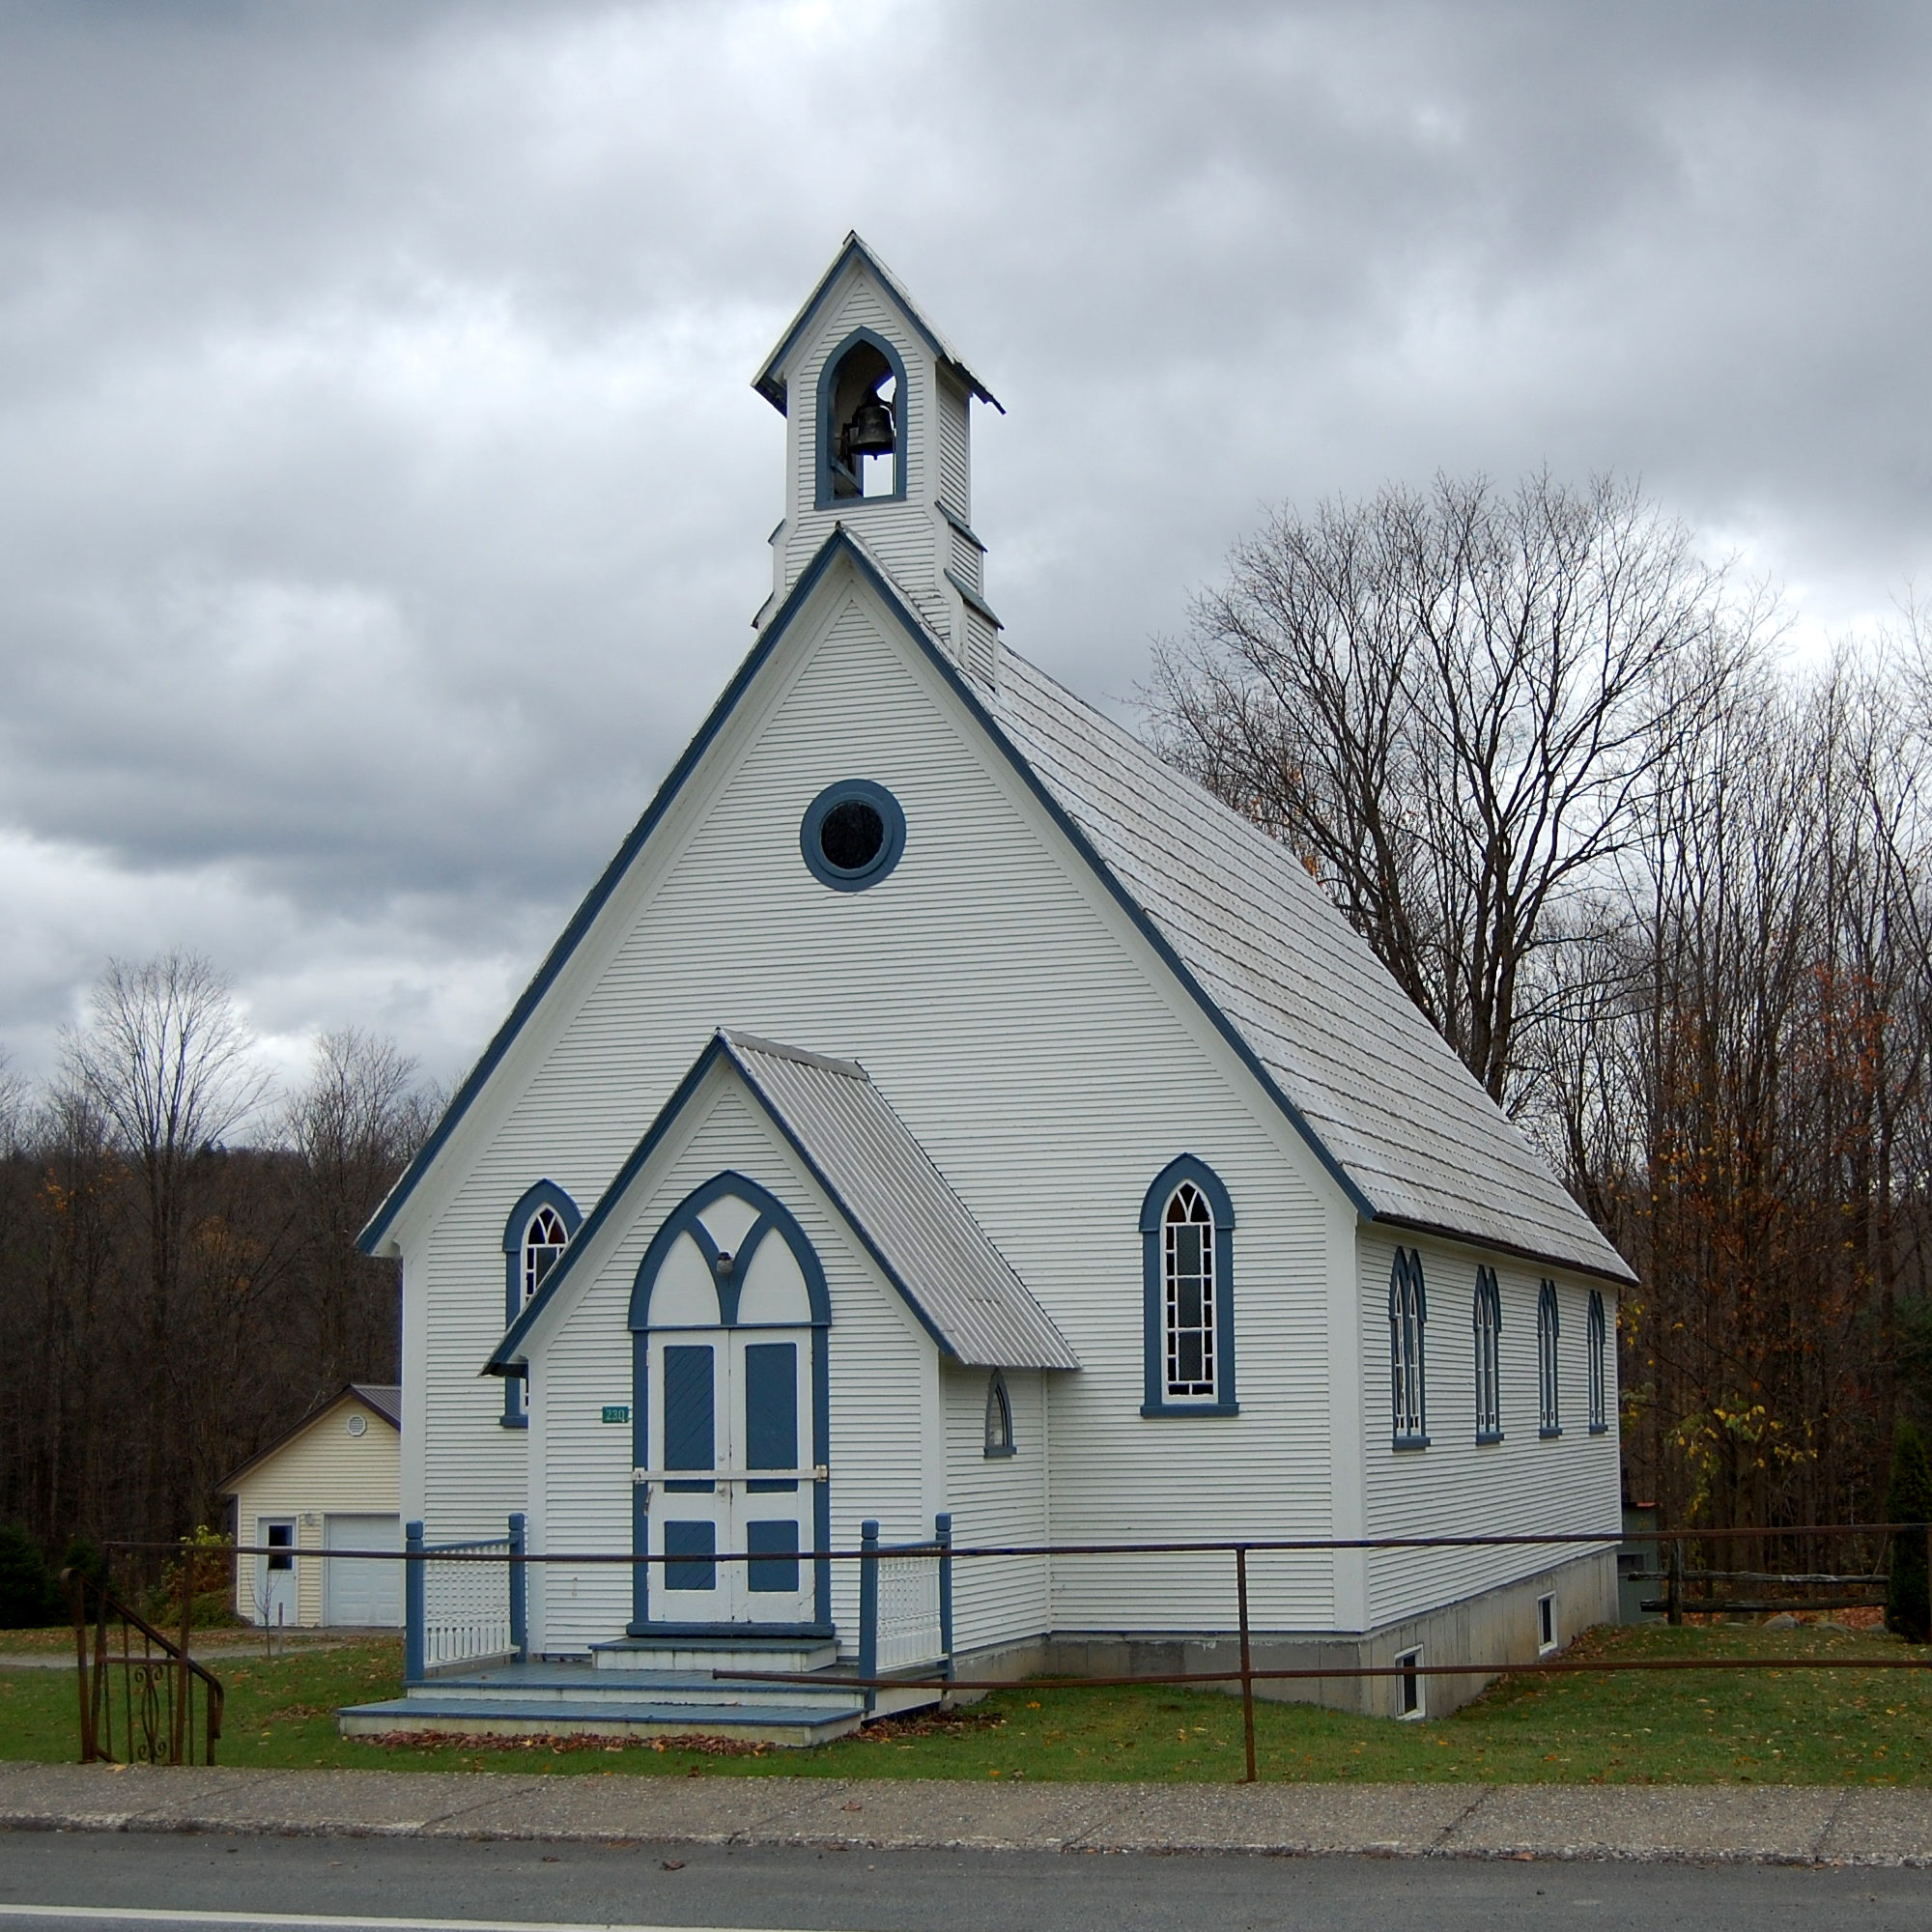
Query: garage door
[[362, 1590]]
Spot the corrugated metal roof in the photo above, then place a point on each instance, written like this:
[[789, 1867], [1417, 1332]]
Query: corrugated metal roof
[[898, 1203], [1393, 1108], [384, 1398]]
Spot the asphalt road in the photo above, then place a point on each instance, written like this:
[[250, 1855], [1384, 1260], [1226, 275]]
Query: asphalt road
[[135, 1882]]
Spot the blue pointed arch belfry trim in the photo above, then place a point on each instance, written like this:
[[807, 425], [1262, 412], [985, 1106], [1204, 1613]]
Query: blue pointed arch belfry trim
[[824, 428], [1156, 1402]]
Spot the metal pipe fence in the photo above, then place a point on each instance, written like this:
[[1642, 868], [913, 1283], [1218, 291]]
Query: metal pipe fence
[[905, 1640]]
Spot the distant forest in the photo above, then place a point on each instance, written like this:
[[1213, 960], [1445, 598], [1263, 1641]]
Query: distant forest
[[178, 1280]]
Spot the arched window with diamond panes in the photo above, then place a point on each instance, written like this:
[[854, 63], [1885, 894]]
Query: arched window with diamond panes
[[1408, 1312], [1595, 1347], [1548, 1406], [1489, 1327], [1187, 1236], [537, 1231]]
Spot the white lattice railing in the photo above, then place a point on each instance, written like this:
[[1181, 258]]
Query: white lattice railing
[[909, 1629], [905, 1603], [461, 1606]]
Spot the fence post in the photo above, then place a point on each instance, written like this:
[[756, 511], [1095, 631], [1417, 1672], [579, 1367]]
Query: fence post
[[520, 1622], [868, 1607], [1675, 1591], [1247, 1659], [942, 1534], [415, 1602]]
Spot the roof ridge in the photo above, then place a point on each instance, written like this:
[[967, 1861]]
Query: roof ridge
[[752, 1042]]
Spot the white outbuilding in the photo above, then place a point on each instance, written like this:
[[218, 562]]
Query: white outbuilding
[[943, 1115], [328, 1482]]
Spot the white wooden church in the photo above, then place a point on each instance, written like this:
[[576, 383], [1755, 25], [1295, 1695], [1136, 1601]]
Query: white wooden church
[[941, 1109]]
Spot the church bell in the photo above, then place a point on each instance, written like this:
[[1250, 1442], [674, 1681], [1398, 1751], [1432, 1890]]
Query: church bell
[[871, 431]]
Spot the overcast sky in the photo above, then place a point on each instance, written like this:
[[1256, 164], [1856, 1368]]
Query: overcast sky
[[383, 495]]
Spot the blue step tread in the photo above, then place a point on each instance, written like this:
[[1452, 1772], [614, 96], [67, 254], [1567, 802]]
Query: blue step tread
[[686, 1716], [564, 1678]]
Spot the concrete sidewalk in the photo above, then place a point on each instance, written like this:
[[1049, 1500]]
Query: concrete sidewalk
[[1776, 1824]]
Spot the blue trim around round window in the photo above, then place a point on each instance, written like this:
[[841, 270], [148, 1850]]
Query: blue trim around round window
[[853, 878]]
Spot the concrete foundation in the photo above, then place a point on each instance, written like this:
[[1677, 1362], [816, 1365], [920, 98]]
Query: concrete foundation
[[1499, 1626]]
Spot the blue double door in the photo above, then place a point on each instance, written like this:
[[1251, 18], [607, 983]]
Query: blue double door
[[729, 1475]]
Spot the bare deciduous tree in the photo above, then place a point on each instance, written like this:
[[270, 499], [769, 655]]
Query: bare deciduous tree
[[168, 1064], [351, 1127], [1450, 705]]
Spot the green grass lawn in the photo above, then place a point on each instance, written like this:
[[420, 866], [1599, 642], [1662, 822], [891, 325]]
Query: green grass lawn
[[1687, 1727]]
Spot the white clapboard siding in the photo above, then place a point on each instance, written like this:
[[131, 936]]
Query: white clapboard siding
[[320, 1472], [1022, 1029], [1457, 1487], [878, 1363], [997, 1500]]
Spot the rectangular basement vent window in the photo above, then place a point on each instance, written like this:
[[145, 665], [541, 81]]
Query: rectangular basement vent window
[[1546, 1624], [1409, 1686]]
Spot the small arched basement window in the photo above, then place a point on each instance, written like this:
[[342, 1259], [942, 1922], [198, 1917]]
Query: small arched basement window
[[999, 1416], [1548, 1410], [861, 423], [1187, 1250], [1597, 1347], [1489, 1327], [1408, 1312]]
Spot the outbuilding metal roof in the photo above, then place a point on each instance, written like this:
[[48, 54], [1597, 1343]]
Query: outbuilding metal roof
[[898, 1204], [1406, 1124]]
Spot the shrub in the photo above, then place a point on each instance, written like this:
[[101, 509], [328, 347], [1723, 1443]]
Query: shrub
[[1907, 1498], [29, 1597]]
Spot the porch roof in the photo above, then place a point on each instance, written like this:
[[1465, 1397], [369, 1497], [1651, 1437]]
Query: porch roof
[[885, 1187]]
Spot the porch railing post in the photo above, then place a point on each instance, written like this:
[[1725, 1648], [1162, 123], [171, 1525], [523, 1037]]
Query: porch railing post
[[414, 1604], [942, 1534], [520, 1625], [868, 1607]]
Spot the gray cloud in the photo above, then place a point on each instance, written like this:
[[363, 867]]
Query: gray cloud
[[385, 498]]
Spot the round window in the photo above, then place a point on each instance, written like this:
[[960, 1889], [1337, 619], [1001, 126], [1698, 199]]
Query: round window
[[852, 835]]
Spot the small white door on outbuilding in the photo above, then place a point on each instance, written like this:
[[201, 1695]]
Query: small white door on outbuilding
[[362, 1590]]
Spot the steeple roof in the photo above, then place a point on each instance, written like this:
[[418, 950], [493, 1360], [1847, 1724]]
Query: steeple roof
[[770, 380]]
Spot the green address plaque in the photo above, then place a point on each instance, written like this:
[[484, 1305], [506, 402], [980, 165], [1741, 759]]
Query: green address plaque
[[616, 1412]]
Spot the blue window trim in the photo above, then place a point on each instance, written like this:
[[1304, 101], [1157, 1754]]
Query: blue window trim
[[1596, 1369], [997, 1394], [1488, 1293], [545, 1194], [825, 498], [1154, 1289], [1407, 1270], [1549, 1364], [774, 1217], [890, 851]]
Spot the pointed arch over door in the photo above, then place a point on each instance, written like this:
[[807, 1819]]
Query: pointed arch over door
[[729, 1417]]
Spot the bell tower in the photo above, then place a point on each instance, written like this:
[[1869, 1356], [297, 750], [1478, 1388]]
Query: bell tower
[[877, 439]]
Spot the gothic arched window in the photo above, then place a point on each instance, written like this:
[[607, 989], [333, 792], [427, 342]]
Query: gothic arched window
[[1408, 1312], [1489, 1323], [1598, 1345], [544, 1239], [1549, 1416], [1187, 1236], [999, 1416], [535, 1234]]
